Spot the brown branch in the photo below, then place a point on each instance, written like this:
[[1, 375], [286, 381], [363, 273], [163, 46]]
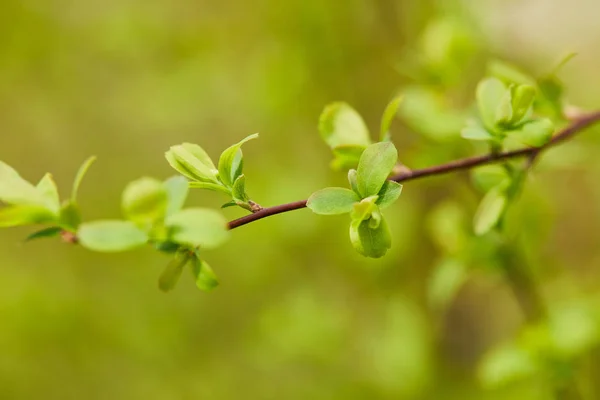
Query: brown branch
[[575, 127]]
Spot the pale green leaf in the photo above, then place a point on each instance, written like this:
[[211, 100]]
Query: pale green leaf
[[205, 277], [81, 172], [535, 133], [445, 282], [352, 180], [177, 192], [200, 154], [215, 187], [488, 176], [504, 111], [508, 73], [506, 364], [239, 189], [476, 132], [25, 214], [230, 162], [341, 125], [522, 102], [16, 190], [333, 200], [364, 209], [190, 160], [145, 200], [171, 274], [70, 216], [111, 235], [389, 193], [374, 168], [490, 94], [346, 156], [370, 242], [198, 227], [391, 110], [47, 187], [490, 211]]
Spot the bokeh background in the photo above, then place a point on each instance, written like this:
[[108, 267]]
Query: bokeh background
[[298, 314]]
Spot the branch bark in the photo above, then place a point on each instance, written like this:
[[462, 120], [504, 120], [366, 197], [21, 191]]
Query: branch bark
[[569, 131]]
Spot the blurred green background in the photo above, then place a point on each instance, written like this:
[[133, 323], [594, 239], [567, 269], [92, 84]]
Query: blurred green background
[[298, 314]]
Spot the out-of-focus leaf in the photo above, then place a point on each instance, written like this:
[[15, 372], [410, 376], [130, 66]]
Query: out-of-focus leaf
[[81, 172], [490, 211], [25, 214], [111, 235], [333, 200], [535, 133], [170, 276], [370, 242], [70, 216], [490, 94], [374, 168], [390, 112], [177, 191], [489, 176], [16, 190], [341, 125], [230, 162], [448, 227], [508, 73], [191, 161], [506, 364], [504, 111], [47, 187], [476, 132], [346, 156], [44, 233], [445, 282], [145, 200], [389, 193], [522, 101], [574, 329], [198, 227], [205, 277]]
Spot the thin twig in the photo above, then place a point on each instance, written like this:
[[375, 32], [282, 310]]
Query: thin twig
[[572, 129]]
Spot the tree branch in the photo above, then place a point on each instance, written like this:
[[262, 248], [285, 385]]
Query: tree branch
[[571, 130]]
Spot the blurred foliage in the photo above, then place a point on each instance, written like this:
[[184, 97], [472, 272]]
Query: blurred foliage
[[298, 314]]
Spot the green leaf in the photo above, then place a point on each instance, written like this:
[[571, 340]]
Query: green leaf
[[535, 133], [352, 179], [16, 190], [332, 201], [504, 111], [346, 156], [215, 187], [490, 210], [362, 211], [170, 276], [506, 364], [145, 200], [192, 161], [476, 132], [198, 227], [47, 187], [45, 233], [177, 191], [70, 216], [370, 242], [83, 169], [389, 193], [508, 73], [341, 125], [388, 116], [25, 214], [489, 176], [490, 94], [239, 189], [231, 203], [230, 162], [522, 101], [445, 282], [374, 168], [111, 235], [205, 277]]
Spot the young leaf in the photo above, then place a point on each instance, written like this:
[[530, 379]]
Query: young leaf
[[375, 165], [370, 242], [215, 187], [170, 276], [230, 162], [177, 191], [352, 179], [341, 125], [111, 236], [332, 201], [508, 73], [504, 111], [205, 277], [16, 190], [522, 101], [44, 233], [198, 227], [70, 216], [25, 214], [346, 156], [489, 176], [362, 211], [476, 132], [535, 133], [490, 211], [192, 161], [388, 116], [239, 189], [145, 200], [490, 94], [80, 175], [389, 193], [47, 187]]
